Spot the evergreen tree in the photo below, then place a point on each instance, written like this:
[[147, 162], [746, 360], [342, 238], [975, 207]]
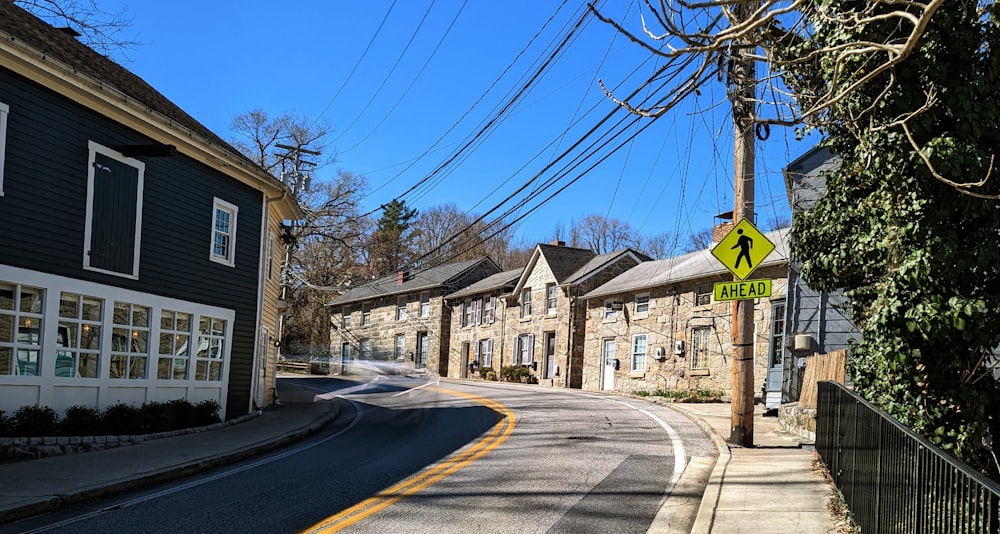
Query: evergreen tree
[[391, 247]]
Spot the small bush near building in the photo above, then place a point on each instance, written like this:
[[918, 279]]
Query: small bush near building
[[517, 373], [81, 421], [35, 421], [484, 373]]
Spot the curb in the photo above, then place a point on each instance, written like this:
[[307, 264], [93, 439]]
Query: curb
[[710, 500], [54, 502]]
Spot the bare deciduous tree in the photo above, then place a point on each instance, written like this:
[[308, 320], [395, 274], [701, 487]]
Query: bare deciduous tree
[[258, 134], [102, 30]]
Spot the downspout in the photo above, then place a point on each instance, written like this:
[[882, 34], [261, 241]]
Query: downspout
[[569, 341]]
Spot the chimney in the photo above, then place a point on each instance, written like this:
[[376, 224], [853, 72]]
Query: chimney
[[558, 243], [721, 229], [402, 276]]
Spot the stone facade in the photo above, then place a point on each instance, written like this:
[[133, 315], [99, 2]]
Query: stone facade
[[673, 337], [402, 319]]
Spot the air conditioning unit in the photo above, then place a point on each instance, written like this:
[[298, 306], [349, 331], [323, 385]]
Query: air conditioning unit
[[679, 346], [661, 353]]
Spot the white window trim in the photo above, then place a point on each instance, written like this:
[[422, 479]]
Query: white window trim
[[4, 111], [93, 149], [639, 313], [229, 259], [610, 313], [633, 368]]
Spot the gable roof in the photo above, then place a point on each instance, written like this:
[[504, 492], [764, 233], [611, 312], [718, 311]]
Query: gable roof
[[505, 280], [700, 264], [599, 262], [55, 59], [434, 277]]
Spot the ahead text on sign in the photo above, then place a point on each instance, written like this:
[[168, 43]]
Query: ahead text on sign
[[744, 289]]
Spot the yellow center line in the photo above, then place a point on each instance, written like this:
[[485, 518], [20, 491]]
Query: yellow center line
[[420, 481]]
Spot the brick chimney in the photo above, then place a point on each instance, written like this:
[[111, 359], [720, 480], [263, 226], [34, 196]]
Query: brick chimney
[[557, 243], [402, 276], [720, 230]]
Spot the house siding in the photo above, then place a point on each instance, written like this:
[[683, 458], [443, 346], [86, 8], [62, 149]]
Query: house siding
[[45, 192]]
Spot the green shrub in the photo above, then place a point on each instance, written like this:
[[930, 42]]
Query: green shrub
[[207, 412], [123, 419], [491, 375], [517, 373], [156, 417], [81, 421], [5, 425], [35, 421], [184, 414], [485, 371], [641, 393]]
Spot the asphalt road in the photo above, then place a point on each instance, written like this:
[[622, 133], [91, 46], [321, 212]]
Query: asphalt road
[[415, 456]]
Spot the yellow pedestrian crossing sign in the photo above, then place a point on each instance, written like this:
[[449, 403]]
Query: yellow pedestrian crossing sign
[[743, 248]]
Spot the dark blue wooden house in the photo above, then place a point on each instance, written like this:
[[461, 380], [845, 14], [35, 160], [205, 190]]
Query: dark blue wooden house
[[137, 248]]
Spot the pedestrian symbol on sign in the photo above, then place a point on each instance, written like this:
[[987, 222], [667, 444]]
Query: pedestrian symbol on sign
[[742, 249]]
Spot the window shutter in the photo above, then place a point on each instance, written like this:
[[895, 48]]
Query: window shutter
[[475, 350], [515, 359], [493, 309], [531, 348], [461, 314]]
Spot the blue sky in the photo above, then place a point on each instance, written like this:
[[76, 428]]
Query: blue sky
[[406, 84]]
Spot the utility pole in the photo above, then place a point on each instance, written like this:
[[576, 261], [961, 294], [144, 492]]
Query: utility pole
[[742, 95], [298, 183]]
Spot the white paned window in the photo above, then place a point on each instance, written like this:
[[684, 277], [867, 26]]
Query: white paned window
[[526, 302], [551, 297], [524, 349], [425, 304], [130, 341], [611, 309], [366, 314], [641, 304], [79, 338], [175, 345], [4, 111], [20, 329], [400, 308], [345, 317], [491, 307], [211, 349], [703, 295], [485, 349], [224, 232], [638, 353], [470, 313]]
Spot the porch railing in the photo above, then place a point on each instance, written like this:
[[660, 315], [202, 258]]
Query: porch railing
[[893, 480]]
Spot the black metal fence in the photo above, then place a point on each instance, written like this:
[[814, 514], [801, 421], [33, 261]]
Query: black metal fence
[[893, 480]]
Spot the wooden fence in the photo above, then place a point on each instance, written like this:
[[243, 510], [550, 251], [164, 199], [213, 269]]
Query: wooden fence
[[820, 367]]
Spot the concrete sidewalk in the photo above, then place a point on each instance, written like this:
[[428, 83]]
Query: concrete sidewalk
[[38, 486], [772, 487]]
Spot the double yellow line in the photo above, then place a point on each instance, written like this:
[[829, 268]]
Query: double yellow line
[[497, 435]]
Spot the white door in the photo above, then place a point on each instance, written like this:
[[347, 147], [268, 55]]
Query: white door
[[608, 370]]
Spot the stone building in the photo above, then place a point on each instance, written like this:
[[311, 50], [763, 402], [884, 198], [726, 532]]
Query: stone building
[[659, 327], [544, 318], [402, 318], [479, 320]]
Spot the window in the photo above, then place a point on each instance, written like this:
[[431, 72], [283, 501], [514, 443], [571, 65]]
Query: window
[[421, 360], [366, 349], [470, 313], [345, 317], [484, 352], [526, 302], [79, 336], [400, 351], [703, 295], [366, 314], [20, 329], [490, 303], [524, 349], [175, 343], [638, 353], [400, 308], [224, 233], [129, 341], [4, 111], [425, 304], [211, 349], [113, 224], [641, 304], [551, 297], [777, 332], [477, 311], [610, 311], [699, 347]]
